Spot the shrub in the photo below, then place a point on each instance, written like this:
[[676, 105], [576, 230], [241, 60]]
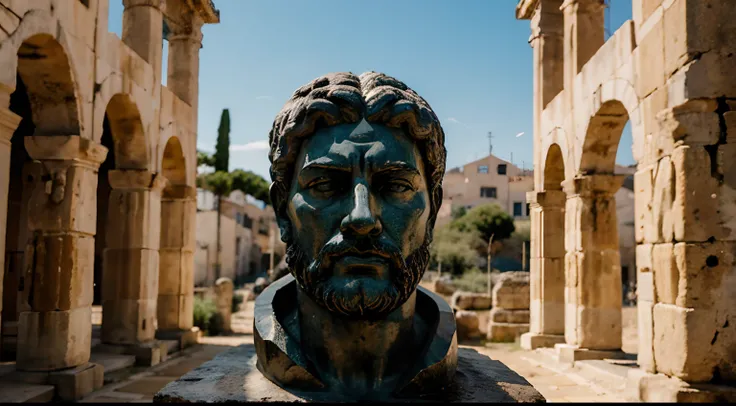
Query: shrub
[[205, 312], [488, 219], [237, 300], [474, 281]]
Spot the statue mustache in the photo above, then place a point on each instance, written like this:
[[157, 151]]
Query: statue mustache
[[338, 247]]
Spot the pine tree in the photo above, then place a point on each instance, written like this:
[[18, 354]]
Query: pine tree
[[222, 149]]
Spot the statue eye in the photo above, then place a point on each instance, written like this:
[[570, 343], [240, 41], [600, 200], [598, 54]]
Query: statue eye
[[397, 187], [323, 186]]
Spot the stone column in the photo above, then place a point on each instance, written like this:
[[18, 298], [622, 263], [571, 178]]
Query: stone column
[[176, 265], [584, 35], [55, 331], [547, 270], [592, 268], [185, 41], [130, 260], [8, 123], [143, 31]]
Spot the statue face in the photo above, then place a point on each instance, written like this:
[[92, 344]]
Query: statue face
[[357, 211]]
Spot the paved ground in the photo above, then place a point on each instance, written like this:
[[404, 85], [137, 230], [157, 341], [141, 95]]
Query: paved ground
[[141, 387]]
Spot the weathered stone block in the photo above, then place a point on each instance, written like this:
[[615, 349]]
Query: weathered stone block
[[599, 328], [707, 275], [133, 219], [506, 332], [66, 202], [175, 311], [512, 291], [651, 61], [666, 275], [510, 316], [531, 341], [691, 344], [644, 276], [661, 228], [130, 274], [707, 77], [470, 301], [127, 321], [730, 119], [63, 271], [695, 208], [645, 328], [176, 223], [467, 325], [54, 340], [692, 123], [643, 215], [74, 384], [443, 286]]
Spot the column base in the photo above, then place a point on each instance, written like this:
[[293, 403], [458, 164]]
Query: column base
[[506, 332], [146, 354], [70, 384], [642, 386], [531, 341], [568, 354], [185, 338]]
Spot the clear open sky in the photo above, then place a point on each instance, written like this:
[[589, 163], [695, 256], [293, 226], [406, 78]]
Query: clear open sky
[[469, 59]]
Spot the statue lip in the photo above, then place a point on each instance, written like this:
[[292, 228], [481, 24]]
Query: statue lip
[[362, 264]]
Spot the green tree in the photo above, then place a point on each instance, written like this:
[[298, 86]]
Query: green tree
[[489, 220], [456, 249], [220, 184], [458, 211], [222, 148], [252, 184], [205, 159]]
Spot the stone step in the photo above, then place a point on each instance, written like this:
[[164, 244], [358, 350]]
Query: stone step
[[16, 392], [112, 362], [172, 346], [608, 375]]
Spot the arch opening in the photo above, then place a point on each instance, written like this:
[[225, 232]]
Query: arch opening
[[602, 139], [126, 129], [554, 168], [173, 164]]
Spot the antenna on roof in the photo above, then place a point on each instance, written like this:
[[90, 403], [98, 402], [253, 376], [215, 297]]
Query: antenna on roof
[[490, 143]]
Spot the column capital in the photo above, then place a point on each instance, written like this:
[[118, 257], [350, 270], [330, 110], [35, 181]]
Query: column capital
[[9, 122], [547, 199], [582, 6], [586, 185], [65, 148], [136, 180]]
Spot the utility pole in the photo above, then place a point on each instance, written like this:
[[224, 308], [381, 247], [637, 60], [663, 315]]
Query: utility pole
[[490, 143], [523, 255], [490, 241]]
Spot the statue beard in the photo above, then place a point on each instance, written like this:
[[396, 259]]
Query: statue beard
[[358, 298]]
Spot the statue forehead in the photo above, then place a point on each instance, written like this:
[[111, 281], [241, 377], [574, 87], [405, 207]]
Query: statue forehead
[[363, 138]]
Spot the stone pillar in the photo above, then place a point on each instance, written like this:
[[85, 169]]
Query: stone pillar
[[185, 41], [8, 123], [143, 31], [176, 265], [224, 300], [55, 331], [583, 36], [130, 260], [547, 270], [592, 268]]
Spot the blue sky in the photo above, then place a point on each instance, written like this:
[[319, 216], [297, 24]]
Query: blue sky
[[469, 59]]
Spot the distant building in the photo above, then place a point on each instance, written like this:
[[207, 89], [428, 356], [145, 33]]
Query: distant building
[[486, 180], [247, 233]]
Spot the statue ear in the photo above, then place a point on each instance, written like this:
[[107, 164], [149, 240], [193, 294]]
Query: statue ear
[[279, 208]]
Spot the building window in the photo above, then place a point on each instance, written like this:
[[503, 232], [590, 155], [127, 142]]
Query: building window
[[237, 218], [502, 169], [488, 192], [247, 221], [517, 209], [482, 168]]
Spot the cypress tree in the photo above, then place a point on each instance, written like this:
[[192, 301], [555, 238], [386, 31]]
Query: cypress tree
[[222, 149]]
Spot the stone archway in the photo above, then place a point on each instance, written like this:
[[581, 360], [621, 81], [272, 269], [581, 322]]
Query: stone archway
[[593, 294], [52, 296], [176, 253]]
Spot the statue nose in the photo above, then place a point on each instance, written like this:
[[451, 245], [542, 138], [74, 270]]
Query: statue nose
[[362, 219]]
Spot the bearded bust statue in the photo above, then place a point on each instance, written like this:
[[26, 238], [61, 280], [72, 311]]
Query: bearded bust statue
[[357, 166]]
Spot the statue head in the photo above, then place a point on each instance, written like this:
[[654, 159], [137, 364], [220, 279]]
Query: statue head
[[357, 166]]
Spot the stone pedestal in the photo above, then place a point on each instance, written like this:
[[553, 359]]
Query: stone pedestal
[[642, 386], [146, 354], [176, 262], [70, 384], [185, 338], [232, 376], [568, 354], [510, 314], [55, 330], [593, 270], [224, 299]]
